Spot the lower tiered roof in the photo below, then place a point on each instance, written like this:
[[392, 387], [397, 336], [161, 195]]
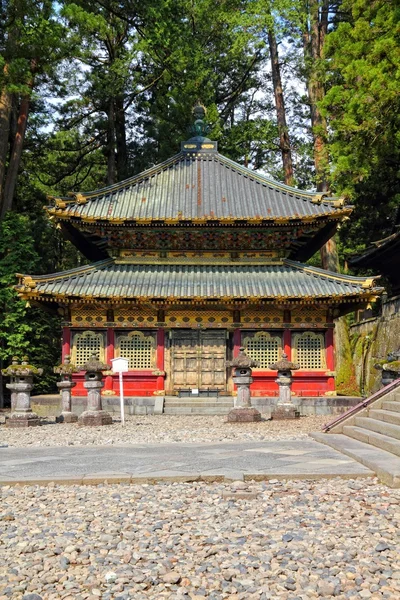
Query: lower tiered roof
[[116, 281]]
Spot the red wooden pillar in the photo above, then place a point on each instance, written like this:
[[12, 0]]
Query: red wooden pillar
[[287, 334], [160, 358], [66, 342], [237, 341], [287, 343], [110, 345], [330, 358]]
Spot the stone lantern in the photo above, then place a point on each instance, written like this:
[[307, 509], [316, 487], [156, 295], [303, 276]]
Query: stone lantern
[[285, 408], [243, 412], [21, 385], [390, 369], [94, 415], [65, 386]]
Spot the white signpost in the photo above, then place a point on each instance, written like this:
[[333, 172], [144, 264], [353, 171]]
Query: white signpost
[[121, 365]]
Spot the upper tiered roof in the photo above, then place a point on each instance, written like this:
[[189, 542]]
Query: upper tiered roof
[[198, 185]]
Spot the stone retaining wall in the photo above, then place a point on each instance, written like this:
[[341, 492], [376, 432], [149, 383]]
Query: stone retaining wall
[[371, 340], [49, 406]]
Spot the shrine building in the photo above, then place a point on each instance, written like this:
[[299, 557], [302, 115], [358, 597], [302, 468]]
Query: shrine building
[[191, 259]]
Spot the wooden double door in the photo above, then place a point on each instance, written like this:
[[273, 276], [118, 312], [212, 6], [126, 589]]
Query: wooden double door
[[198, 359]]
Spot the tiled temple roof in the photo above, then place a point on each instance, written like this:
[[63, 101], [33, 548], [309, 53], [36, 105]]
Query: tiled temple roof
[[197, 187], [113, 280]]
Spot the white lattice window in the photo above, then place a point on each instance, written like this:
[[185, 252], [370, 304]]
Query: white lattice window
[[309, 350], [138, 348], [86, 343], [263, 348]]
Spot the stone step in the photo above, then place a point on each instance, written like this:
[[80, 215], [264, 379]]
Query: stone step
[[379, 426], [387, 416], [384, 464], [378, 440], [391, 405]]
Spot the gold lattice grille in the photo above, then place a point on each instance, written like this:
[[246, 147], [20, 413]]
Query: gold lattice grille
[[309, 350], [263, 347], [138, 348], [86, 343], [134, 316], [88, 316], [262, 316], [308, 314], [195, 318]]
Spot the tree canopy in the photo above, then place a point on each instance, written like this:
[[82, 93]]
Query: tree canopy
[[94, 91]]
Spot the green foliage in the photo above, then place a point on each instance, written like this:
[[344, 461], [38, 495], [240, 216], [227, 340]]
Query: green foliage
[[24, 330], [362, 105]]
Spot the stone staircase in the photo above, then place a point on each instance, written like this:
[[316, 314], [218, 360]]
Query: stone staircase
[[370, 434], [197, 406]]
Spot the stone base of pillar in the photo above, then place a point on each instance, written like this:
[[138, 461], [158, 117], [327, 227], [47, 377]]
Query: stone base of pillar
[[67, 417], [244, 415], [95, 418], [28, 419], [285, 411]]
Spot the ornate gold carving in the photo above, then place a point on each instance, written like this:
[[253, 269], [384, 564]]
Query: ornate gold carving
[[309, 350], [85, 316], [263, 347], [84, 344], [193, 318], [138, 347]]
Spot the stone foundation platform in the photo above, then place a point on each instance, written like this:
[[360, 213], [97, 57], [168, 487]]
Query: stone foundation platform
[[244, 415], [29, 419], [285, 411], [95, 418], [67, 417]]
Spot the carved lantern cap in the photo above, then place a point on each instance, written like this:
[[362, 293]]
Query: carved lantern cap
[[66, 368], [392, 362], [284, 364], [21, 370], [94, 365], [242, 361]]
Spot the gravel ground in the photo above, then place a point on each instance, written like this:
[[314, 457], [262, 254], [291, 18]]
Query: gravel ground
[[239, 541], [161, 429]]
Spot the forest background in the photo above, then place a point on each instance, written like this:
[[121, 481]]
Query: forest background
[[94, 91]]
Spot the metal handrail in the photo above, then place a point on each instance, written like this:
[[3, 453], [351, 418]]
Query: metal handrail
[[388, 388]]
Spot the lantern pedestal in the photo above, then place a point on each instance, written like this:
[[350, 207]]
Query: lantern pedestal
[[67, 416], [23, 416], [285, 409], [243, 411], [21, 386], [94, 416], [65, 386]]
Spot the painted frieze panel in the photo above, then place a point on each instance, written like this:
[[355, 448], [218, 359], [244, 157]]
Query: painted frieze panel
[[269, 317], [134, 317], [308, 314], [206, 238], [88, 315], [193, 318]]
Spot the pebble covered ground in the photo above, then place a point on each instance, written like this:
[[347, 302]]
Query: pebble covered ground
[[161, 429], [294, 540]]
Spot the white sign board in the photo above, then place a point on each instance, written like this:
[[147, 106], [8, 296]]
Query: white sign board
[[121, 365]]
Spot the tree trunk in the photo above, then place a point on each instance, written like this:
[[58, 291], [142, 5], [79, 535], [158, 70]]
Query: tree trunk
[[120, 134], [5, 115], [111, 166], [15, 159], [284, 141], [313, 42]]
